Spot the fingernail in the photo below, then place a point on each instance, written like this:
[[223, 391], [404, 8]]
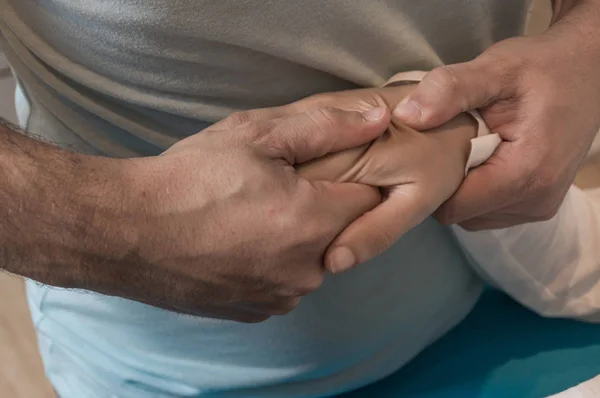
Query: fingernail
[[341, 259], [407, 110], [374, 115]]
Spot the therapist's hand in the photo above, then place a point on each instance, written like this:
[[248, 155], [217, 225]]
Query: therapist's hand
[[226, 228], [542, 95]]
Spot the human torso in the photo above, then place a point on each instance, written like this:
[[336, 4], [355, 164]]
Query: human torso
[[128, 78]]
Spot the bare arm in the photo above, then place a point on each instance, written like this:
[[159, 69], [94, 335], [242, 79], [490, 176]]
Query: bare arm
[[58, 210], [185, 230], [553, 266]]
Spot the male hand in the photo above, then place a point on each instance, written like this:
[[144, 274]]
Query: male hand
[[416, 172], [225, 228], [541, 94]]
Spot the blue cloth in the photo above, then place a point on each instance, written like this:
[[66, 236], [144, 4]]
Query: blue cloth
[[500, 350]]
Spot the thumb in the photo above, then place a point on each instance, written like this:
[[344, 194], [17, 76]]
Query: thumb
[[447, 91], [377, 230], [317, 132]]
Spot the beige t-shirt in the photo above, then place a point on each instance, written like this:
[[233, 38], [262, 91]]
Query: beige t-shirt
[[130, 77]]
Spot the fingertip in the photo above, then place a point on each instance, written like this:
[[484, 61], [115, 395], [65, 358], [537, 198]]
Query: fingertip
[[417, 115], [339, 259], [374, 115], [408, 111], [377, 121]]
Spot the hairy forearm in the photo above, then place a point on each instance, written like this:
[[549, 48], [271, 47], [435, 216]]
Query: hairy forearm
[[57, 210]]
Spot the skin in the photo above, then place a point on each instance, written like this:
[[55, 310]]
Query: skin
[[541, 94], [415, 172], [130, 227], [186, 230], [180, 233]]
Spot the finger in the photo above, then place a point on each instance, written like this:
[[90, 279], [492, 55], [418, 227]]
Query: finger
[[238, 118], [315, 133], [491, 186], [350, 100], [375, 231], [449, 90], [341, 203], [354, 100]]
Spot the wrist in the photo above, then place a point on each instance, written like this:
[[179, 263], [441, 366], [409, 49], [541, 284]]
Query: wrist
[[455, 138], [103, 222]]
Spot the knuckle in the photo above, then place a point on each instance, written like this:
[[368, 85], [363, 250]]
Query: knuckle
[[299, 225], [325, 119], [260, 132], [360, 100], [370, 100], [322, 99], [286, 225], [445, 78], [238, 118], [311, 283]]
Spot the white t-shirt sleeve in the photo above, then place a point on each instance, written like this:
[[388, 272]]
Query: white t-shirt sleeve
[[552, 267]]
